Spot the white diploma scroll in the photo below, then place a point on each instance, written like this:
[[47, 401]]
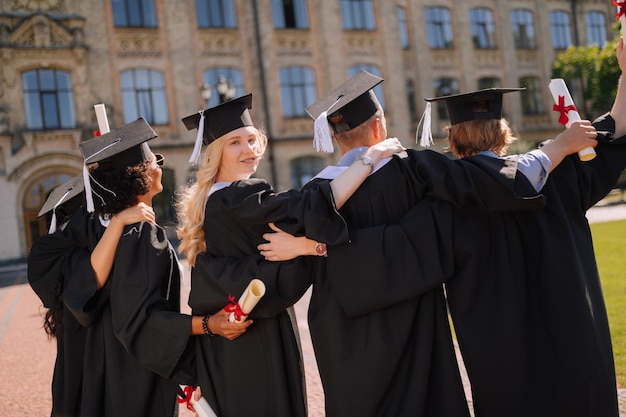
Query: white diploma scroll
[[621, 9], [202, 407], [103, 121], [249, 299], [562, 97]]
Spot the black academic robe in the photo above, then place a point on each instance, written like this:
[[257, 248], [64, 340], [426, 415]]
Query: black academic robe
[[260, 373], [135, 352], [48, 257], [523, 290]]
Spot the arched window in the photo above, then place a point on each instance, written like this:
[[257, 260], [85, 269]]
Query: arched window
[[372, 69], [523, 25], [358, 14], [134, 13], [483, 28], [561, 29], [216, 14], [48, 99], [596, 28], [297, 90], [439, 28], [305, 168], [143, 95], [445, 87], [234, 84], [532, 102]]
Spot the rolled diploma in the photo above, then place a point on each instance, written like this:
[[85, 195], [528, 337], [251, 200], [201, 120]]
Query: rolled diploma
[[202, 407], [559, 89], [249, 299], [103, 121], [622, 20]]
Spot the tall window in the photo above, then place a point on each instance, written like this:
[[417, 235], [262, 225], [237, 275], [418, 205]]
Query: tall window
[[216, 14], [134, 13], [483, 28], [439, 28], [402, 27], [297, 90], [143, 95], [488, 82], [48, 99], [358, 14], [305, 168], [290, 14], [596, 28], [378, 90], [445, 87], [561, 29], [523, 26], [233, 79], [410, 96], [531, 97]]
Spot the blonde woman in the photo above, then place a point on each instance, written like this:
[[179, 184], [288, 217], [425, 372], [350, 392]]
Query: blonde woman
[[225, 213]]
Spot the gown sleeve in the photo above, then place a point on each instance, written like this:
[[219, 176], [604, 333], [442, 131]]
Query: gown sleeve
[[145, 299]]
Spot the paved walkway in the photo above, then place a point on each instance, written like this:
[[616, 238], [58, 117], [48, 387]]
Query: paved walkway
[[27, 357]]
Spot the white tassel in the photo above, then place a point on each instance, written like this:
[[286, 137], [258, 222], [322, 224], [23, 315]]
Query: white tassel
[[426, 139], [322, 139], [195, 156], [53, 222], [88, 196]]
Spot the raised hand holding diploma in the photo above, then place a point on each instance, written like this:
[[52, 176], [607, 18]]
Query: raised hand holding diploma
[[201, 407], [567, 112], [240, 309]]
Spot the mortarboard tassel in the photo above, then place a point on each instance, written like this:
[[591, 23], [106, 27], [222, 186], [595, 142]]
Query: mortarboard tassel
[[322, 139], [88, 196], [53, 222], [197, 147], [426, 139]]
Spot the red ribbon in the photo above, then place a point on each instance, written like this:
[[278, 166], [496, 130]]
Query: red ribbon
[[622, 8], [96, 133], [563, 110], [188, 391], [234, 307]]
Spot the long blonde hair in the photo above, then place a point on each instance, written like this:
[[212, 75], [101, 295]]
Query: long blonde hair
[[475, 136], [192, 200]]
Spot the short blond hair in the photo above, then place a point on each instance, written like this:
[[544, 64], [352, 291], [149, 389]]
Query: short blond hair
[[475, 136]]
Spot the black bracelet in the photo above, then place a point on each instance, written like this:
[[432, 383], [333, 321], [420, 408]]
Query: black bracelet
[[205, 326]]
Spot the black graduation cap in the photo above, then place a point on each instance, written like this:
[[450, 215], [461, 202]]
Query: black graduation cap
[[217, 121], [344, 108], [123, 147], [481, 104], [63, 201]]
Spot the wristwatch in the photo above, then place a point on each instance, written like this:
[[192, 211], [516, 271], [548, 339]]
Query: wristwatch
[[320, 249], [366, 160]]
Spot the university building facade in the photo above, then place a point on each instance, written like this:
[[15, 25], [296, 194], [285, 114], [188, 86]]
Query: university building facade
[[166, 59]]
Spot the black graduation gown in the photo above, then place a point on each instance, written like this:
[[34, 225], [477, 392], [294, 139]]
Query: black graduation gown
[[523, 290], [260, 373], [136, 343], [48, 258], [390, 352]]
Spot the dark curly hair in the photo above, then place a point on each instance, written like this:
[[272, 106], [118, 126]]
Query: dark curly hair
[[115, 190]]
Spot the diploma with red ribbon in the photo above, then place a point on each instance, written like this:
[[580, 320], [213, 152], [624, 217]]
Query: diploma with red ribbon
[[201, 406], [568, 113], [621, 15], [240, 309]]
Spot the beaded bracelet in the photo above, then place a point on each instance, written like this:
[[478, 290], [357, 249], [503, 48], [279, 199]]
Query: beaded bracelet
[[205, 326]]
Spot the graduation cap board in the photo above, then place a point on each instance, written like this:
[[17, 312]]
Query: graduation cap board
[[123, 147], [65, 197], [475, 105], [217, 121], [344, 108]]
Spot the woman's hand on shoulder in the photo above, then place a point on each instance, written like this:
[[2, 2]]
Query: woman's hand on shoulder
[[140, 212], [386, 148]]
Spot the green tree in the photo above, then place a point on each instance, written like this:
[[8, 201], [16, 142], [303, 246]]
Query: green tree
[[593, 72]]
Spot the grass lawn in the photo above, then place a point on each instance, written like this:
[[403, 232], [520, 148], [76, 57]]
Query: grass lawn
[[610, 246]]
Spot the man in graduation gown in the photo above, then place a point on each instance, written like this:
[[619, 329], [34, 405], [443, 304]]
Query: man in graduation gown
[[523, 289]]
